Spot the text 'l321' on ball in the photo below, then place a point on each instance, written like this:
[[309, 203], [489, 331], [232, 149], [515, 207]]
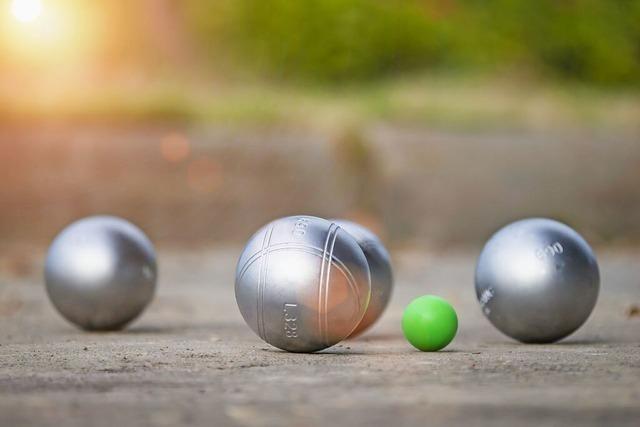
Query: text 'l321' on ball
[[302, 283]]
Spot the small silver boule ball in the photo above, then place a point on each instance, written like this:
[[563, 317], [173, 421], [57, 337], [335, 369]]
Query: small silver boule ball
[[380, 268], [302, 283], [100, 272], [537, 280]]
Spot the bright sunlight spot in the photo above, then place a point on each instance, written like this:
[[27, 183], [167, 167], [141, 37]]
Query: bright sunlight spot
[[48, 32], [26, 10]]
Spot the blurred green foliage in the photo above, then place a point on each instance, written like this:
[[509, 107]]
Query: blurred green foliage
[[595, 41]]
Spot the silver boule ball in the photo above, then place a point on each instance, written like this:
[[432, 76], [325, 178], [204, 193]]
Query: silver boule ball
[[302, 283], [380, 268], [100, 272], [537, 280]]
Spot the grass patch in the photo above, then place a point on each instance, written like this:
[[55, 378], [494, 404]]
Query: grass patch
[[431, 101]]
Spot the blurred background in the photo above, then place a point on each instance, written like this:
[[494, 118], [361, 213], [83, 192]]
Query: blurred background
[[433, 122]]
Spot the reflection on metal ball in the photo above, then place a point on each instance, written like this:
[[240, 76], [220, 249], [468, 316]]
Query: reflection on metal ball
[[379, 267], [302, 283], [100, 272], [537, 280]]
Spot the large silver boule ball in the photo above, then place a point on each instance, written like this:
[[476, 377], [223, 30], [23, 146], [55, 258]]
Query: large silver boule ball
[[100, 272], [380, 268], [537, 280], [302, 283]]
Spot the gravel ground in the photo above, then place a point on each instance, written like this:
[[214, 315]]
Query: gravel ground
[[190, 360]]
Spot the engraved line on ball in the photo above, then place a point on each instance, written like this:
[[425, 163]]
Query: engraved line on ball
[[264, 279], [261, 282], [258, 254], [264, 243], [326, 287], [313, 250], [321, 282]]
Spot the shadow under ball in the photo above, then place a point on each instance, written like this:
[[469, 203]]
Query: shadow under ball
[[100, 272], [537, 280], [380, 268], [302, 283]]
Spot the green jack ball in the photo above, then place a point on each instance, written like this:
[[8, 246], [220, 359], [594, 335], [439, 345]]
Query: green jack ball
[[429, 323]]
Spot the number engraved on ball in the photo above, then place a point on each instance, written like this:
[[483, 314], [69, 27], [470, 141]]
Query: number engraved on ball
[[290, 318], [550, 250], [486, 296], [300, 227]]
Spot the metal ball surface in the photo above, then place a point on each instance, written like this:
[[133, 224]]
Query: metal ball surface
[[100, 272], [380, 268], [302, 283], [537, 280]]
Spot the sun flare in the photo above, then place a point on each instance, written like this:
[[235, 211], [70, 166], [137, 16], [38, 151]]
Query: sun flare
[[26, 10], [47, 32]]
